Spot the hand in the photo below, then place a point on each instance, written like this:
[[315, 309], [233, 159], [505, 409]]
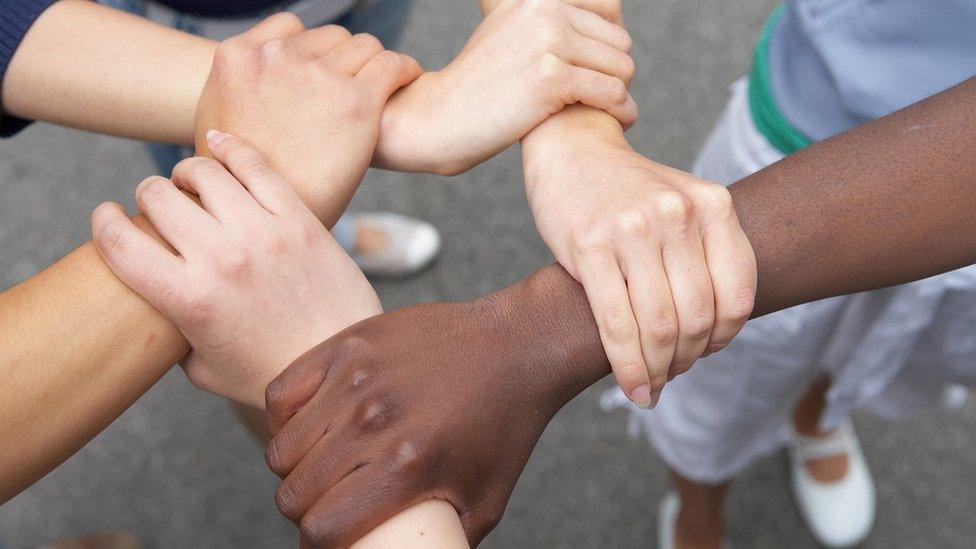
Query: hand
[[668, 271], [438, 401], [257, 280], [312, 99], [524, 63]]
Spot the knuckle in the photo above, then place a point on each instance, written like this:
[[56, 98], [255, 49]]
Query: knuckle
[[374, 414], [409, 458], [632, 223], [718, 198], [233, 265], [287, 503], [631, 371], [367, 41], [360, 379], [390, 61], [275, 398], [619, 326], [662, 333], [338, 31], [627, 66], [272, 51], [288, 19], [538, 6], [551, 71], [316, 532], [673, 206], [549, 39], [114, 237], [591, 241], [274, 458], [358, 345], [277, 246], [699, 325], [616, 90], [249, 160], [741, 306], [151, 190], [200, 169], [626, 40]]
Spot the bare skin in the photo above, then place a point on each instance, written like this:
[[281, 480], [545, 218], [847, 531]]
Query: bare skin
[[866, 209]]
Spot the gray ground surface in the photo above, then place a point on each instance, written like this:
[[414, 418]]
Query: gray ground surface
[[177, 470]]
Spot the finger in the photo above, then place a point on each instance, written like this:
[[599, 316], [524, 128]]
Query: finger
[[650, 298], [603, 92], [329, 460], [595, 55], [253, 170], [356, 505], [280, 25], [139, 261], [297, 384], [387, 72], [607, 293], [611, 10], [593, 26], [350, 56], [691, 289], [732, 270], [177, 218], [296, 438], [320, 40], [221, 194]]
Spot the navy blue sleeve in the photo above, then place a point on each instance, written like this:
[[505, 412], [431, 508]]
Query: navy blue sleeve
[[16, 16]]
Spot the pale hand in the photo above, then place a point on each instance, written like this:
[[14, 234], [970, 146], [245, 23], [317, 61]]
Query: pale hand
[[256, 279], [667, 269], [525, 62], [311, 99]]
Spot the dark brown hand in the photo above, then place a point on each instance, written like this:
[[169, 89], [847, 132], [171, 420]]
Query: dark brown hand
[[440, 401]]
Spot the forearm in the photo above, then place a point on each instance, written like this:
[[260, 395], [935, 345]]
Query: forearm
[[79, 348], [883, 204], [99, 69]]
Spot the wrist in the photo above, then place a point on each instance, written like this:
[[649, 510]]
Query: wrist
[[543, 327], [548, 150], [405, 144]]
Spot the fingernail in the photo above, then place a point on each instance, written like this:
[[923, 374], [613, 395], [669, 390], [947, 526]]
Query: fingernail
[[641, 396], [215, 137]]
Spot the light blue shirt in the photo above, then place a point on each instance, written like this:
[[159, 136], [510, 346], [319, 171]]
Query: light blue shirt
[[835, 64]]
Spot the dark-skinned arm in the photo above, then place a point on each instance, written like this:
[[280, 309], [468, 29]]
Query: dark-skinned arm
[[448, 400]]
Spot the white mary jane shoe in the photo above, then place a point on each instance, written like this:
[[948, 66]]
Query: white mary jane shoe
[[838, 513], [667, 522]]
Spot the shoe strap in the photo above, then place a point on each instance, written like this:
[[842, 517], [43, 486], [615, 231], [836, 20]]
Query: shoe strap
[[837, 443]]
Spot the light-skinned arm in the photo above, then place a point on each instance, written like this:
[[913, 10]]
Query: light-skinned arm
[[99, 69], [93, 346], [667, 269], [883, 204]]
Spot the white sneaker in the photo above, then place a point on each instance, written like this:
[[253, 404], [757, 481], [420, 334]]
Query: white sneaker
[[667, 522], [411, 244], [839, 513]]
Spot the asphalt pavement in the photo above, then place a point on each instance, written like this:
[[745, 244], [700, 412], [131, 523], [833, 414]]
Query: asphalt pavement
[[177, 471]]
